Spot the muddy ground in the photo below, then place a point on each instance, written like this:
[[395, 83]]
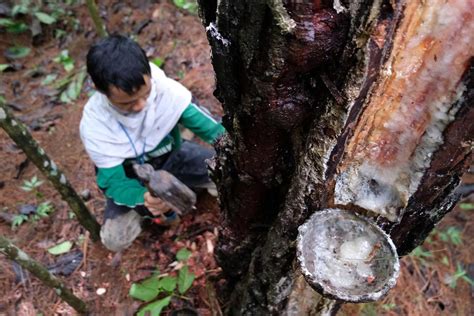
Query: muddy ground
[[433, 279]]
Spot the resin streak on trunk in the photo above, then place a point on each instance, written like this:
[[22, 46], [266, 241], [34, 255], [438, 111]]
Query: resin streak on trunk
[[410, 107]]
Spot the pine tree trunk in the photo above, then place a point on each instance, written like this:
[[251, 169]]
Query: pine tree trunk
[[364, 106]]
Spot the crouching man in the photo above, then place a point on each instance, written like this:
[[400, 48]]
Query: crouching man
[[133, 118]]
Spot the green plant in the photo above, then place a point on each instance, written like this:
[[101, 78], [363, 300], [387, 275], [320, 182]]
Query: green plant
[[12, 26], [369, 309], [25, 7], [43, 210], [421, 255], [64, 59], [49, 79], [71, 85], [164, 286], [452, 234], [180, 74], [460, 273], [32, 186], [389, 306], [445, 261], [18, 220], [188, 5], [17, 52], [37, 12], [466, 206], [158, 61]]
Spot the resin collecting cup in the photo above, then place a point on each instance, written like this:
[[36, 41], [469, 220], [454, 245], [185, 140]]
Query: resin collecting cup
[[334, 273]]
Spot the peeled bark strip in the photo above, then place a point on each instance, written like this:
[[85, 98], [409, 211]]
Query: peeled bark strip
[[37, 269], [413, 102], [20, 135], [313, 92]]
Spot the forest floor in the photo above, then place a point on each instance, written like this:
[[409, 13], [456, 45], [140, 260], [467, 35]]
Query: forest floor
[[434, 277]]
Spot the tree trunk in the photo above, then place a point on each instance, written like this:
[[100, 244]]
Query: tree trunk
[[365, 106], [95, 16], [20, 135], [38, 270]]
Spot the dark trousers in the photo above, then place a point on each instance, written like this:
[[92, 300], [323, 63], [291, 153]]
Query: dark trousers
[[188, 164]]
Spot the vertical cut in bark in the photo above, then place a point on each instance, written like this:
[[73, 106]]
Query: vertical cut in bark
[[413, 102], [20, 135]]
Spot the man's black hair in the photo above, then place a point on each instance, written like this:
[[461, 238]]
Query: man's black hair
[[119, 61]]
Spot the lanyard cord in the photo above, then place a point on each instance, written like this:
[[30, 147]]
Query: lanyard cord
[[141, 158]]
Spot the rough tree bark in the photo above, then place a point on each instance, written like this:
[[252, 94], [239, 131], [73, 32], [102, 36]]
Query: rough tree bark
[[19, 133], [361, 105]]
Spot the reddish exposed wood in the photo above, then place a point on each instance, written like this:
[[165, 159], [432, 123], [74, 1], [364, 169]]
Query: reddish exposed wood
[[415, 78], [409, 108]]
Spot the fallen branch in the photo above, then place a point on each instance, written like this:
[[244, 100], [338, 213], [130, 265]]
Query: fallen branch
[[20, 135], [37, 269], [94, 13]]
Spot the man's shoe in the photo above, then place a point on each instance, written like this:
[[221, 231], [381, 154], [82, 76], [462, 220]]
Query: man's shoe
[[168, 219]]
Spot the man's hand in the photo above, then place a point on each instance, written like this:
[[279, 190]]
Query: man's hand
[[154, 204]]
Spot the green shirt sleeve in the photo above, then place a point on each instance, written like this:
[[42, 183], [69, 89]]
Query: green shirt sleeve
[[118, 187], [201, 123]]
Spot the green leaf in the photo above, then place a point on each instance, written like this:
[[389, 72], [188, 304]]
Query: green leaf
[[158, 61], [75, 87], [389, 306], [64, 97], [4, 67], [185, 279], [68, 65], [6, 22], [21, 8], [13, 26], [60, 248], [44, 209], [146, 290], [26, 188], [445, 261], [64, 59], [455, 235], [466, 206], [183, 254], [444, 237], [59, 33], [188, 5], [155, 308], [45, 18], [468, 280], [18, 220], [49, 79], [17, 52], [167, 283]]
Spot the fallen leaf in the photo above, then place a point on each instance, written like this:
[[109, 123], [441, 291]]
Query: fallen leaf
[[60, 248]]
